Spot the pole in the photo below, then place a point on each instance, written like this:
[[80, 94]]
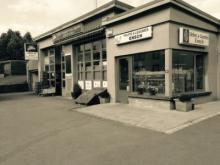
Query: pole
[[96, 4]]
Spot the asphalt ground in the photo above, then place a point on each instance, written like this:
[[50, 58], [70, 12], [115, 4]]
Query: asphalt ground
[[48, 131]]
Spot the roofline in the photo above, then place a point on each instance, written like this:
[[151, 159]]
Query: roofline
[[6, 61], [103, 8], [158, 3]]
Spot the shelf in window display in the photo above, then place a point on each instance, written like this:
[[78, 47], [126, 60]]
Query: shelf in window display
[[149, 73]]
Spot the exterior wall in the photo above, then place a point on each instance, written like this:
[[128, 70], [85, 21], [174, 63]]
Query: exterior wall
[[218, 75], [33, 80], [68, 50], [7, 68], [32, 77], [188, 19], [45, 43], [18, 68]]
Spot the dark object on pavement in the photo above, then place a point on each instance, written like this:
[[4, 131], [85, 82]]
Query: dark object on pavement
[[14, 88], [77, 91], [92, 97], [185, 97]]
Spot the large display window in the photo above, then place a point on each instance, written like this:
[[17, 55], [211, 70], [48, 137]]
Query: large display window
[[49, 67], [149, 73], [188, 72], [92, 64]]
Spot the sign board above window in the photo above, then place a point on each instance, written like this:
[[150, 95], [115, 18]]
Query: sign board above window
[[193, 37], [135, 35], [67, 33], [31, 52]]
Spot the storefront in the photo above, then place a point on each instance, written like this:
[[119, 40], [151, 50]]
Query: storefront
[[153, 52], [75, 52], [160, 51]]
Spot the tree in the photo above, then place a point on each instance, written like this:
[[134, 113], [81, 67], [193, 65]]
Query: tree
[[3, 46], [28, 38], [12, 45]]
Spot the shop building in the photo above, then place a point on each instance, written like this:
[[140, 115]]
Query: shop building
[[76, 51], [153, 52]]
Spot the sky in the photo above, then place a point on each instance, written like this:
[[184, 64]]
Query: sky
[[39, 16]]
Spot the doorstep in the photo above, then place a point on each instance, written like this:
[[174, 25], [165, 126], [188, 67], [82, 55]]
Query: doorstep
[[167, 122]]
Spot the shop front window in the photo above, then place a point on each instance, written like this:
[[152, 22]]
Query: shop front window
[[92, 63], [149, 72], [188, 72], [49, 67]]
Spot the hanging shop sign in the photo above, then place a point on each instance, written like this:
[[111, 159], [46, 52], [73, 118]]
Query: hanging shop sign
[[193, 37], [135, 35], [31, 52], [67, 33]]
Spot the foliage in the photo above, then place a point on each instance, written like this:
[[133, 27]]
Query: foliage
[[77, 91], [140, 89], [185, 97], [12, 45], [152, 90]]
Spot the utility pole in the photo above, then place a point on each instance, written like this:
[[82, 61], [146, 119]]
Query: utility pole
[[96, 3]]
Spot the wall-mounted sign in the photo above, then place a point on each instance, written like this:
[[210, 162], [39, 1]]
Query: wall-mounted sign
[[81, 84], [97, 84], [193, 37], [88, 85], [104, 84], [67, 33], [31, 52], [135, 35]]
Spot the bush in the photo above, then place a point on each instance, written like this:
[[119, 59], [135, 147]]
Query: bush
[[185, 97], [14, 88], [77, 91]]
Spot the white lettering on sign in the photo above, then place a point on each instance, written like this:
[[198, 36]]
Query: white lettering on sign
[[135, 35], [192, 37]]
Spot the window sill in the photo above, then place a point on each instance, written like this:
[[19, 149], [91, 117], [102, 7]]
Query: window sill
[[146, 96], [195, 94], [165, 98]]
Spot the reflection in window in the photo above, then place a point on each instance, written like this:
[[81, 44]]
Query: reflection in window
[[68, 64], [200, 72], [149, 72], [188, 72]]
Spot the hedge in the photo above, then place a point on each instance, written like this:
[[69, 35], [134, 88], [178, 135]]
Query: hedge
[[14, 88]]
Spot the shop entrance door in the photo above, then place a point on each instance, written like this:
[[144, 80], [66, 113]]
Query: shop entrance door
[[123, 79]]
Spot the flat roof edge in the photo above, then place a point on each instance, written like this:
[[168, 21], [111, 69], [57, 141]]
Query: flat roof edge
[[103, 8], [135, 12], [154, 4]]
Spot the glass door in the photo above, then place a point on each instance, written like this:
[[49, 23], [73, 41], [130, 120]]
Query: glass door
[[123, 79]]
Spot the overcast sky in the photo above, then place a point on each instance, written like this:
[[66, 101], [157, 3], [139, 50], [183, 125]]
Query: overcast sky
[[38, 16]]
